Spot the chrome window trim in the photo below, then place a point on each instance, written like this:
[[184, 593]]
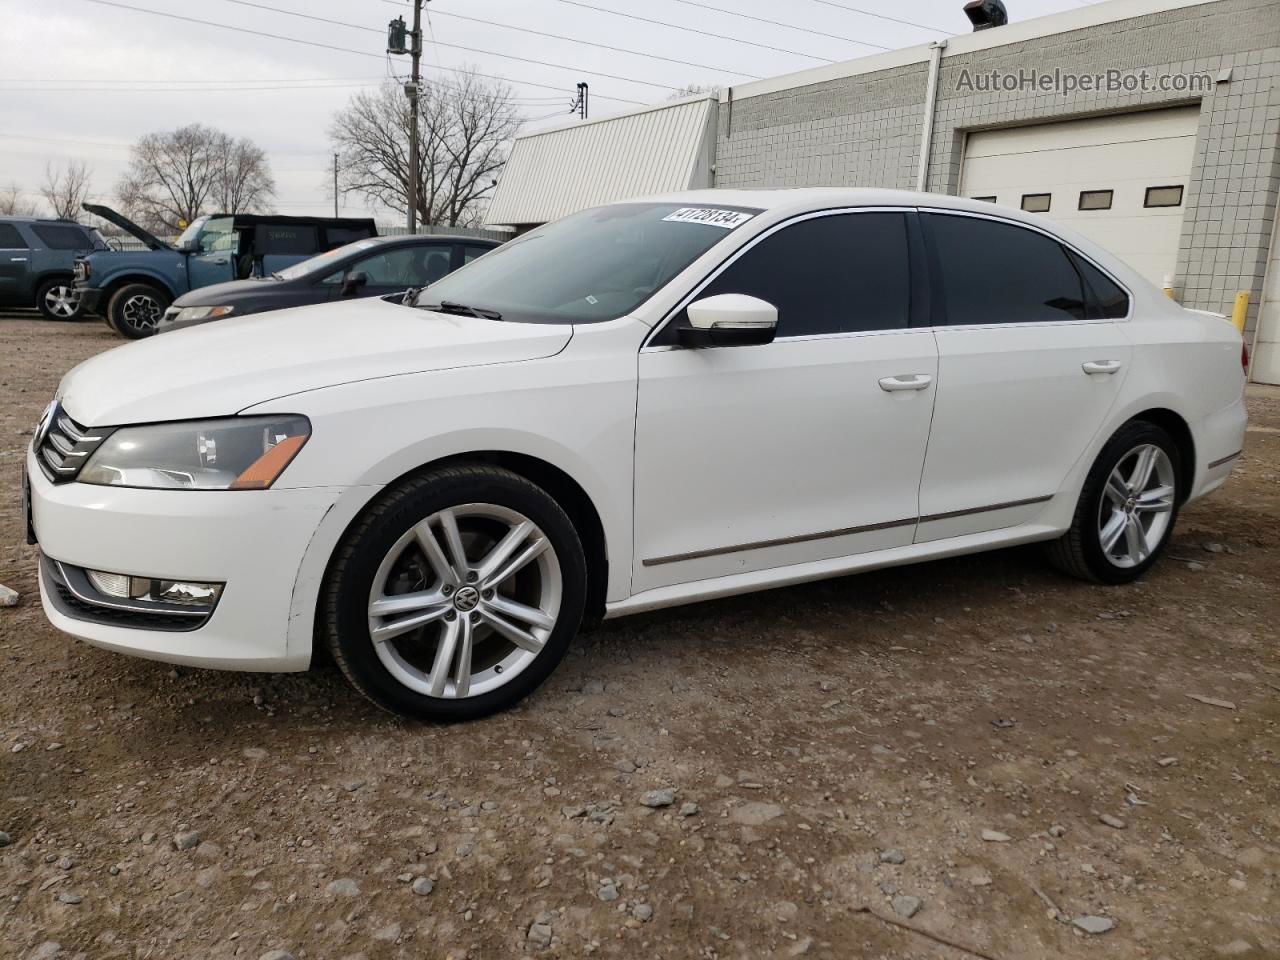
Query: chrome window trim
[[683, 302], [1052, 236]]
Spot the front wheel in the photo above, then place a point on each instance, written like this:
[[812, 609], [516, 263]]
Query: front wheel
[[456, 594], [1127, 508], [57, 300], [135, 310]]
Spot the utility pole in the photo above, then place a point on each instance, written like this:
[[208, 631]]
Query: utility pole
[[335, 186], [584, 97], [412, 88]]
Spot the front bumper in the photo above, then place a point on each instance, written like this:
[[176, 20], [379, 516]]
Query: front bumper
[[90, 298], [253, 541]]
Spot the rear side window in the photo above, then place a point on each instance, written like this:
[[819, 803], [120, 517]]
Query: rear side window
[[837, 274], [1107, 301], [10, 238], [340, 236], [285, 240], [61, 238], [999, 273]]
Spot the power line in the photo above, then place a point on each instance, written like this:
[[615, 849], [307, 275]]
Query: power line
[[592, 43], [881, 16], [675, 26], [457, 46], [210, 88], [774, 23], [326, 46]]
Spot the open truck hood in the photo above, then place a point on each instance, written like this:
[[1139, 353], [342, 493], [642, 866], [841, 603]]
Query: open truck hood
[[127, 225]]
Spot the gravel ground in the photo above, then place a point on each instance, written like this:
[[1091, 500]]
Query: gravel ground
[[975, 751]]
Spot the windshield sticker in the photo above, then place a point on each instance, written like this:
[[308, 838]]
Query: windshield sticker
[[726, 219]]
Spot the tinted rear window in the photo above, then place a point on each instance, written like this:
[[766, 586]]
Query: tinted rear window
[[274, 239], [996, 272], [1107, 301], [57, 237], [10, 238]]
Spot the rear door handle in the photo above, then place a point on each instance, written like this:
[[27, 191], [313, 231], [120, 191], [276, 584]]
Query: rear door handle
[[17, 259], [1100, 366], [911, 381], [220, 261]]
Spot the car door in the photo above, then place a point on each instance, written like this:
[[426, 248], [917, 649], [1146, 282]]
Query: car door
[[214, 259], [804, 449], [394, 270], [1031, 359], [15, 266]]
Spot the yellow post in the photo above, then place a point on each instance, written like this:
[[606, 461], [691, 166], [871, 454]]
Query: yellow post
[[1168, 285], [1240, 310]]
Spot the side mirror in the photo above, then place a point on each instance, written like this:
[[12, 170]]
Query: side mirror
[[729, 320], [352, 283]]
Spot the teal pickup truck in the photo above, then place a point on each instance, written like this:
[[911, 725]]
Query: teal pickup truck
[[131, 289]]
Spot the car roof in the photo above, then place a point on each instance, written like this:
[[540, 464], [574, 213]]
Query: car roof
[[53, 220], [432, 238]]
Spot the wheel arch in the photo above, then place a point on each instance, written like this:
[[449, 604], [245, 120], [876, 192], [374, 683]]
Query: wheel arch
[[1174, 424], [556, 481], [53, 273], [113, 285]]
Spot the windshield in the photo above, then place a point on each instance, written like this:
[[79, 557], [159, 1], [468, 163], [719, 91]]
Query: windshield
[[189, 234], [595, 265], [324, 261]]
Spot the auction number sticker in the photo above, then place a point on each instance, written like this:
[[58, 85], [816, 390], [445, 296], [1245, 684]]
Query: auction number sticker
[[726, 219]]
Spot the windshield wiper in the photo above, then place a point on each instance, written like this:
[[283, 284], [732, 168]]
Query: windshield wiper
[[448, 306]]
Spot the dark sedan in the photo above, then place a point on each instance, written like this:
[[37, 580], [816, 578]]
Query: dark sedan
[[375, 267]]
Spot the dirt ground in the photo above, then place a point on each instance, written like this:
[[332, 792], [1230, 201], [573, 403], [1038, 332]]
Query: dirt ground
[[939, 740]]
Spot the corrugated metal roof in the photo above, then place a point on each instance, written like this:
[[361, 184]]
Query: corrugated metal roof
[[553, 173]]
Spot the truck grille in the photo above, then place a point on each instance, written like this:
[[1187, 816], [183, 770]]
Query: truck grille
[[63, 446]]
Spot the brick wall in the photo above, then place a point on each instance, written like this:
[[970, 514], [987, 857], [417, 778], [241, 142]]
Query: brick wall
[[865, 130]]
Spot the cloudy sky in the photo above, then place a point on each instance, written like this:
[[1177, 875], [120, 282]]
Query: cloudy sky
[[83, 78]]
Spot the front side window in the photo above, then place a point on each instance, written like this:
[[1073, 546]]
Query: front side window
[[10, 238], [842, 273], [596, 265], [218, 236], [58, 237], [405, 267], [994, 272]]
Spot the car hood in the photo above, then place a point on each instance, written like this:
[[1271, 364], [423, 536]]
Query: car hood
[[233, 291], [221, 368], [127, 225]]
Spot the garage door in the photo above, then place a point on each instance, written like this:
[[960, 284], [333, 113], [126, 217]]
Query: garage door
[[1266, 355], [1119, 180]]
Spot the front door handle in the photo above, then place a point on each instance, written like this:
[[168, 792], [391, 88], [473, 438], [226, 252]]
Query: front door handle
[[910, 381], [1100, 366], [220, 261], [17, 259]]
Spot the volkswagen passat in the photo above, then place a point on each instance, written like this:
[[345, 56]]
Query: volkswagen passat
[[642, 405]]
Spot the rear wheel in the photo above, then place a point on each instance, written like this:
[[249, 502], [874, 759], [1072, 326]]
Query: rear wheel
[[135, 310], [456, 594], [57, 300], [1127, 508]]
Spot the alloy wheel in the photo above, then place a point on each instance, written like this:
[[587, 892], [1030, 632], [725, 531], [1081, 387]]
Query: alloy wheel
[[141, 312], [1136, 511], [62, 301], [465, 600]]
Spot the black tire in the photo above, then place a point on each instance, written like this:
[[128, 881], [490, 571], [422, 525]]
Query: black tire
[[1079, 552], [51, 297], [135, 310], [344, 598]]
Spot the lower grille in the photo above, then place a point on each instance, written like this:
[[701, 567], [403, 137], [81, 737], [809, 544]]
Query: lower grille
[[63, 446]]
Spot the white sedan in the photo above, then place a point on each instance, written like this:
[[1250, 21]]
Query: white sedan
[[645, 404]]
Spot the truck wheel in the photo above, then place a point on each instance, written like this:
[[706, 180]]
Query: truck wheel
[[58, 300], [136, 309]]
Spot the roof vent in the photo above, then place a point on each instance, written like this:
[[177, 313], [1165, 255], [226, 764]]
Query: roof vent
[[985, 14]]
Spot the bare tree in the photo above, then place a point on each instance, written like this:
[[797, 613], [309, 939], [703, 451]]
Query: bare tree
[[66, 189], [13, 204], [463, 132], [178, 175]]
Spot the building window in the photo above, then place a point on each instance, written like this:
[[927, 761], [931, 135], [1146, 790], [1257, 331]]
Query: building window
[[984, 199], [1095, 199], [1163, 197], [1036, 202]]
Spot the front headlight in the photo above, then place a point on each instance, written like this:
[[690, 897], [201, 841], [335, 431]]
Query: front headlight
[[238, 453], [202, 313]]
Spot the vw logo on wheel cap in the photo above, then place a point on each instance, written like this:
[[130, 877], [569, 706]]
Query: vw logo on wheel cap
[[466, 599]]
